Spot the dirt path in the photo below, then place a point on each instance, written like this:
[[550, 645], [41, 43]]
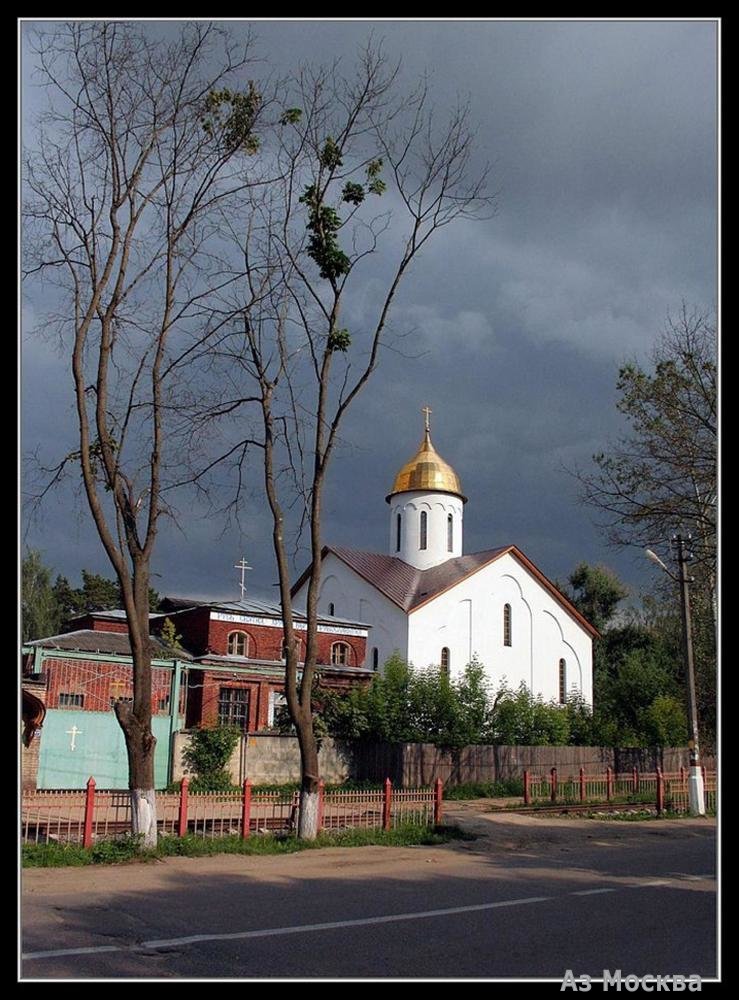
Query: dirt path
[[506, 831]]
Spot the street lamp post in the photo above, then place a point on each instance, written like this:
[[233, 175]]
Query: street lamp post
[[696, 797]]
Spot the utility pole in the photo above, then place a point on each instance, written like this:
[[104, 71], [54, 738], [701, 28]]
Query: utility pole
[[696, 797]]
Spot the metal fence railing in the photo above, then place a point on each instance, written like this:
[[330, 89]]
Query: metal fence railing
[[86, 817], [664, 790]]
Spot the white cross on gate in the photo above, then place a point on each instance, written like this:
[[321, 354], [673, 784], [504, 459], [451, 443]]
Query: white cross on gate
[[74, 732], [243, 566]]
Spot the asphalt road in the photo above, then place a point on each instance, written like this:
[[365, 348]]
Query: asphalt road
[[527, 899]]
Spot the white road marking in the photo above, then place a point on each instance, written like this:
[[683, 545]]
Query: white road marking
[[591, 892], [298, 929]]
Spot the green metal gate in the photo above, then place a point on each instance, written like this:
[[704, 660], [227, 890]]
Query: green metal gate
[[76, 745]]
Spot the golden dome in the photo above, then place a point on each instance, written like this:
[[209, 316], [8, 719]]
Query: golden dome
[[427, 470]]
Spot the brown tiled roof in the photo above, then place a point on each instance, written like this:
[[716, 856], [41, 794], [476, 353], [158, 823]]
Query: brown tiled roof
[[114, 643], [409, 588]]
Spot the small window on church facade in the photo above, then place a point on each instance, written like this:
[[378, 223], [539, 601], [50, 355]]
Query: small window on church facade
[[238, 644], [375, 658], [332, 609], [562, 682], [424, 530], [397, 533], [445, 661], [450, 533], [507, 633], [340, 654]]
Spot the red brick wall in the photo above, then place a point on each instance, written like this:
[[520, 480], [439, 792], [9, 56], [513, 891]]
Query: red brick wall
[[97, 625], [210, 684], [265, 642], [192, 625], [98, 682]]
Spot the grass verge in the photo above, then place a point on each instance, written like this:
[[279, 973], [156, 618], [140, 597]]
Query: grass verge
[[484, 790], [127, 849]]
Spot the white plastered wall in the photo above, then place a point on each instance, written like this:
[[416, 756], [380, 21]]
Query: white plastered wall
[[356, 599], [468, 620]]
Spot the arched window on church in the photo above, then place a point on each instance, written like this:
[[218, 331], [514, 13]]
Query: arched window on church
[[375, 658], [397, 533], [507, 632], [332, 609], [238, 644], [424, 530], [340, 654], [445, 661], [450, 533], [562, 682]]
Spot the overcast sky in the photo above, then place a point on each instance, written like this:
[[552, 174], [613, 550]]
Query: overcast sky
[[603, 140]]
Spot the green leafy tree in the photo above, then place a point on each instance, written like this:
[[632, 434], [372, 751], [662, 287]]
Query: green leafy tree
[[522, 719], [596, 592], [661, 477], [40, 612]]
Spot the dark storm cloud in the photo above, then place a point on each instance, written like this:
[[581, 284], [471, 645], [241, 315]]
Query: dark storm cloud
[[602, 140]]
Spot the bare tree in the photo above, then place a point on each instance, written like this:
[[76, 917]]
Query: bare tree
[[128, 166], [357, 160]]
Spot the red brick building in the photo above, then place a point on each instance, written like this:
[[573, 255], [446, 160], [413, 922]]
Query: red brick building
[[224, 667], [237, 670]]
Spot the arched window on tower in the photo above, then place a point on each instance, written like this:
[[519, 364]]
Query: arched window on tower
[[424, 530], [332, 608], [445, 661], [450, 533], [562, 682], [397, 533], [507, 632], [375, 658]]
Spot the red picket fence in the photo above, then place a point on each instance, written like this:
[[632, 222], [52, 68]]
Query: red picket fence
[[665, 790], [85, 817]]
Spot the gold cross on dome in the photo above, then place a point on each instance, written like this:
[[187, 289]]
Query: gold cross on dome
[[427, 411]]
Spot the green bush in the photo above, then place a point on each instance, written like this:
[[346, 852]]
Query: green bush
[[207, 758]]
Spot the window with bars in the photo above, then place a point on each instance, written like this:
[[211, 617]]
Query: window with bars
[[562, 682], [340, 654], [233, 707], [507, 630], [238, 644], [445, 661], [424, 530], [71, 699]]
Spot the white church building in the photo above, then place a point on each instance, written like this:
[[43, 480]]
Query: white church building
[[433, 604]]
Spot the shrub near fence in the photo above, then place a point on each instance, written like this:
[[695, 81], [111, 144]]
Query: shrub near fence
[[90, 816]]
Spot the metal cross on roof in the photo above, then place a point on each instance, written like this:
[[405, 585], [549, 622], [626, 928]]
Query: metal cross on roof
[[243, 566], [427, 411]]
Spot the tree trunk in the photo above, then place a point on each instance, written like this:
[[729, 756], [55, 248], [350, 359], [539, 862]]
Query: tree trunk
[[140, 747], [309, 800]]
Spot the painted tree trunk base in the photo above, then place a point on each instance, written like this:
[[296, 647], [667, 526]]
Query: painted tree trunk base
[[308, 820], [144, 816]]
